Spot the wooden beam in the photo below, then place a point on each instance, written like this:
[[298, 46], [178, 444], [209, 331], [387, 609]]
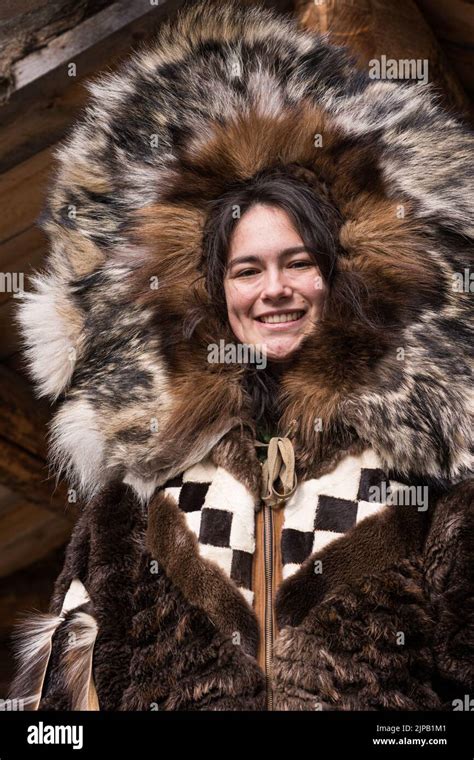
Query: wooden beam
[[23, 418], [22, 254], [47, 99], [25, 474], [9, 334], [48, 104], [28, 533], [63, 50], [22, 194], [27, 25], [23, 448], [452, 21]]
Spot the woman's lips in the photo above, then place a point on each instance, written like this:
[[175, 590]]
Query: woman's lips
[[281, 326]]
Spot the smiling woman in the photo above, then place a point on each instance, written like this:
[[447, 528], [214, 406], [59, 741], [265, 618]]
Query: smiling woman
[[278, 301], [269, 255], [283, 224], [212, 580]]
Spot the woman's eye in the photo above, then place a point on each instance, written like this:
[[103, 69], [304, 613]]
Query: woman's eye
[[298, 264], [246, 272], [302, 263]]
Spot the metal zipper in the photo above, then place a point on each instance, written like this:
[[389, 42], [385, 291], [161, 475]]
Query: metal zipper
[[268, 561]]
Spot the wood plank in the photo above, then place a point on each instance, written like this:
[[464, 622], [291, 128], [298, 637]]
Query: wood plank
[[24, 591], [19, 520], [28, 589], [22, 255], [15, 362], [48, 105], [23, 418], [11, 12], [23, 446], [28, 534], [452, 21], [9, 332], [8, 500], [22, 194], [45, 115], [25, 474], [26, 25], [41, 519], [65, 48]]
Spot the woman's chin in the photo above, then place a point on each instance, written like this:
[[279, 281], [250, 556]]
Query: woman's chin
[[281, 351]]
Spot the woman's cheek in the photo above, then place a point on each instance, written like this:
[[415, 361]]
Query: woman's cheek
[[246, 293], [311, 286]]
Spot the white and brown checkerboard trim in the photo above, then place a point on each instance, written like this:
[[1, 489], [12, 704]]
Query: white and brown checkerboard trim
[[220, 511], [324, 509]]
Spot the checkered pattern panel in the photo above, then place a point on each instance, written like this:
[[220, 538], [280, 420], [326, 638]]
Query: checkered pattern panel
[[323, 509], [220, 512]]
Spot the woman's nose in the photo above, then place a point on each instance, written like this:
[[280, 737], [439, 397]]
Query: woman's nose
[[275, 286]]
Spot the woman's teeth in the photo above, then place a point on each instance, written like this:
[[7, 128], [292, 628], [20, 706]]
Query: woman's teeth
[[291, 316]]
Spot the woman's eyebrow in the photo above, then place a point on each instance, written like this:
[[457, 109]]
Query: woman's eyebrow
[[256, 259]]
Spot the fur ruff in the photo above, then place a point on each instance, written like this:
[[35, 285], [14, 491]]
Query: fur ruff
[[223, 93]]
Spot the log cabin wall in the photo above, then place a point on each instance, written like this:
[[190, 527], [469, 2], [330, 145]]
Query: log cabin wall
[[40, 96]]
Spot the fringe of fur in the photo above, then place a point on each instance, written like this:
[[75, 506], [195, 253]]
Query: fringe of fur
[[77, 661], [32, 644], [32, 640]]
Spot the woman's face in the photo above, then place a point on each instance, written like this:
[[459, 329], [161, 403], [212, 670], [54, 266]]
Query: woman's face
[[274, 293]]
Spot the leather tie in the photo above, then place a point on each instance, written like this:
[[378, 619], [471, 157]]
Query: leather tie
[[280, 465]]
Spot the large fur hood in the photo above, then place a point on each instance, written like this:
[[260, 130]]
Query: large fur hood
[[224, 92]]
